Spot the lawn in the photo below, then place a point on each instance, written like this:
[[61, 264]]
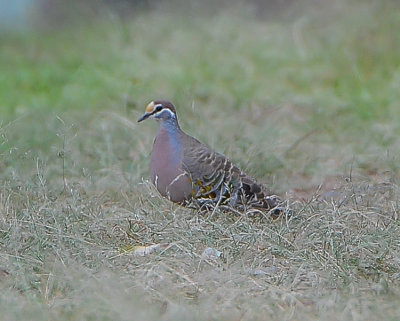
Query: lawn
[[306, 99]]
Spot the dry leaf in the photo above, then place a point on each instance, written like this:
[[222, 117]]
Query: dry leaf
[[146, 250], [211, 254]]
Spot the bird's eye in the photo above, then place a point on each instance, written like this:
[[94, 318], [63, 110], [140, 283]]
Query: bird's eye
[[158, 108]]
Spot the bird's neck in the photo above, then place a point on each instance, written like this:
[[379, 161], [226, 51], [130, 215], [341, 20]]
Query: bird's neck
[[171, 129], [171, 126]]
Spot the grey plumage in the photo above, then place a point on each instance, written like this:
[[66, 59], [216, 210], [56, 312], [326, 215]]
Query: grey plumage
[[185, 170]]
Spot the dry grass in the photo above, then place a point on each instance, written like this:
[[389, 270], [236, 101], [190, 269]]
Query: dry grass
[[68, 251], [72, 258], [76, 208]]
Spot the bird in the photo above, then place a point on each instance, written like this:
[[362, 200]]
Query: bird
[[186, 171]]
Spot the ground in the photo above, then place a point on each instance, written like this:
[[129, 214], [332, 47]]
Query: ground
[[307, 101]]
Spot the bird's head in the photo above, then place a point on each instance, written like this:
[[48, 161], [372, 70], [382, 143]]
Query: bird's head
[[160, 110]]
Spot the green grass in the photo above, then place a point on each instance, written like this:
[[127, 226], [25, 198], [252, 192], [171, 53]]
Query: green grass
[[306, 101]]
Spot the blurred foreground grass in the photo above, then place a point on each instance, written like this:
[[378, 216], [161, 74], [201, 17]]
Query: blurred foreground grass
[[307, 102]]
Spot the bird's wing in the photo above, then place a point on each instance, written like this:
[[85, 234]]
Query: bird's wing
[[214, 176], [208, 170]]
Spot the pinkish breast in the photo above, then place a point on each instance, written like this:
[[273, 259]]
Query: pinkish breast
[[166, 166]]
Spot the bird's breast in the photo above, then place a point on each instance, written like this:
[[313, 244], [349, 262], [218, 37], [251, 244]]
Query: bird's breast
[[166, 167]]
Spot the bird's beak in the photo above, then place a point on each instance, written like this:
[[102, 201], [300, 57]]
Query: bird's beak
[[144, 116], [148, 111]]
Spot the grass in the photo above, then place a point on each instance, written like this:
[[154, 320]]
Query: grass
[[307, 102]]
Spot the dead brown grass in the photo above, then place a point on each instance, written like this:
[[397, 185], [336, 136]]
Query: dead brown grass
[[309, 107]]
